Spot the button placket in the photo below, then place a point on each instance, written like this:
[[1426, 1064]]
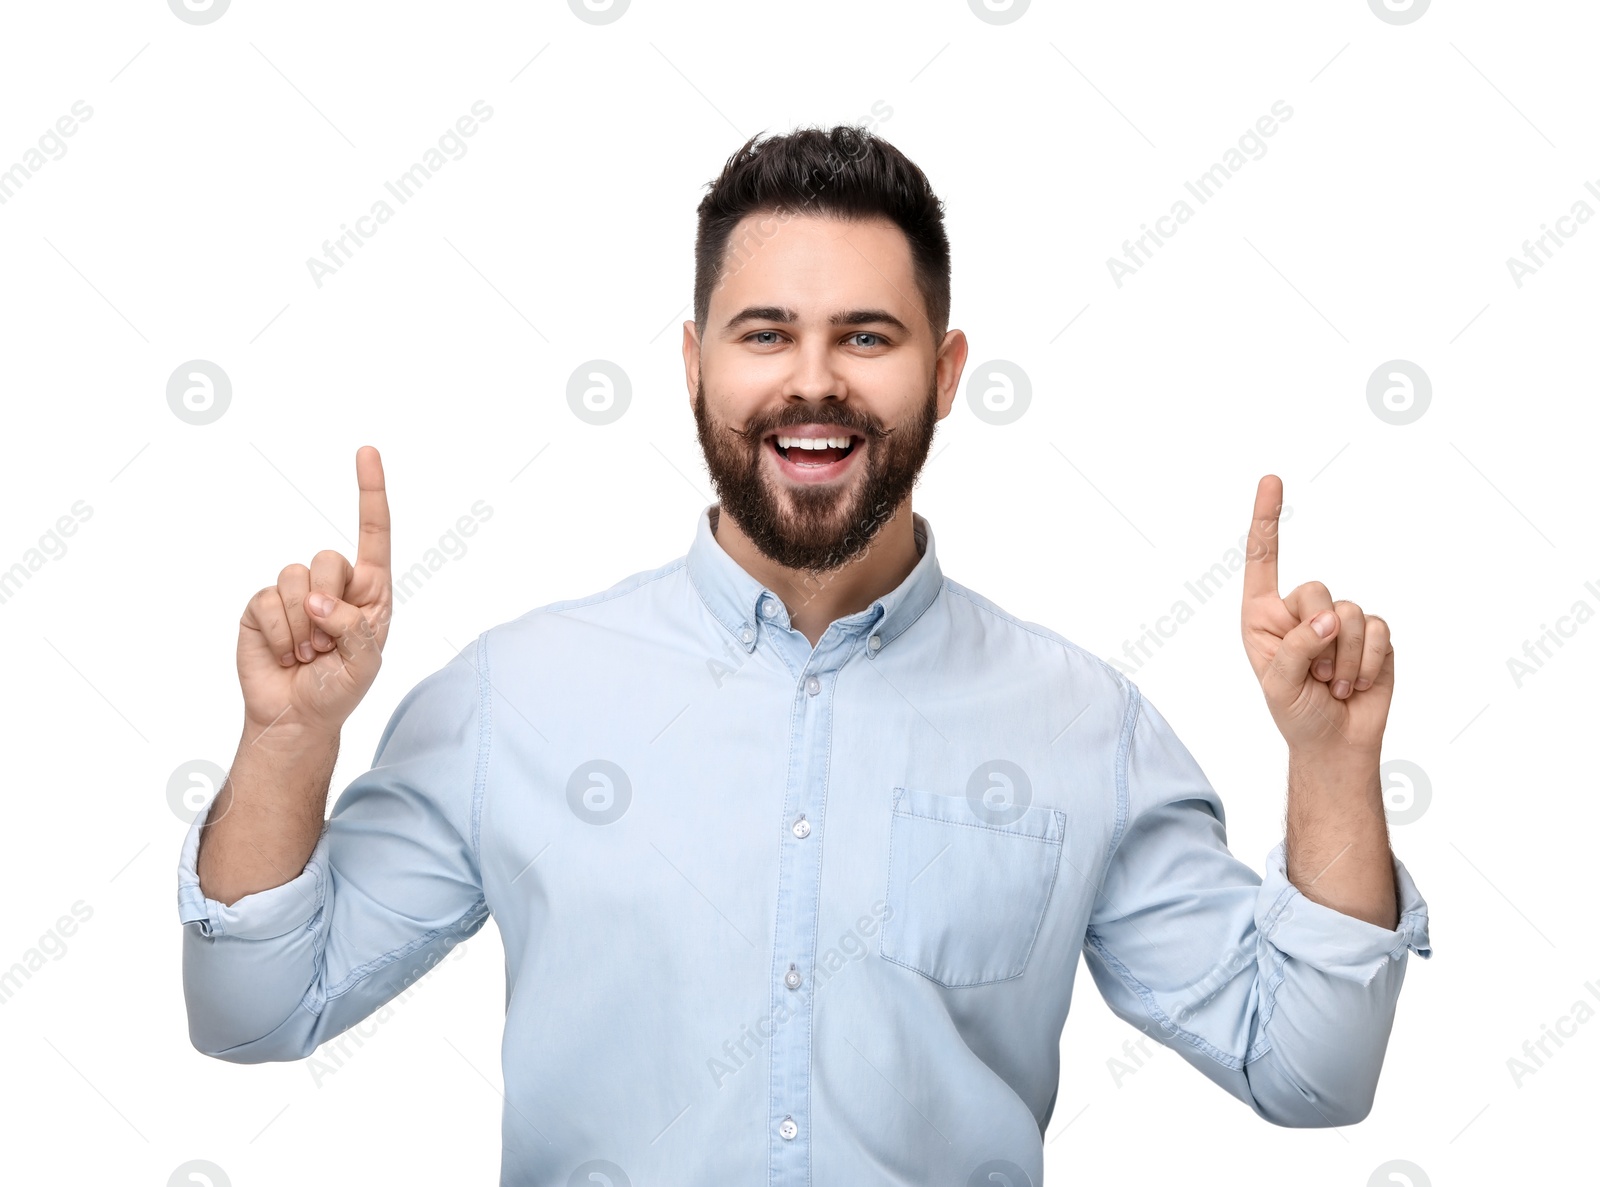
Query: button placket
[[795, 936]]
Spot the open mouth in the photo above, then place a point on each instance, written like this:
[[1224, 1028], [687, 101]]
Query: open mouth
[[814, 452], [813, 459]]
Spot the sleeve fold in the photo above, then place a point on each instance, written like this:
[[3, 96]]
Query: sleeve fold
[[392, 885], [1282, 1001]]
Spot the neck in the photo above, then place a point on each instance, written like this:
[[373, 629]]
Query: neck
[[815, 600]]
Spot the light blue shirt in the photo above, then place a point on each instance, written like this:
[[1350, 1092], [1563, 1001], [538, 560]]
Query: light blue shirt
[[794, 915]]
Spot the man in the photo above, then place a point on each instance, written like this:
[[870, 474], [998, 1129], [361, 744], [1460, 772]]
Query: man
[[793, 842]]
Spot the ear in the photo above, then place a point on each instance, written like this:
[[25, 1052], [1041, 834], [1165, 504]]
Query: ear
[[948, 365], [691, 359]]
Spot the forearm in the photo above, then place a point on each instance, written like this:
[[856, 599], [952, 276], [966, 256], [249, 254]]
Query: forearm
[[265, 821], [1337, 838]]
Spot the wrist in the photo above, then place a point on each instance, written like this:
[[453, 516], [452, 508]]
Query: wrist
[[1341, 757], [287, 735]]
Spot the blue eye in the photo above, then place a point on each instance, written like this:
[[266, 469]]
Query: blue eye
[[759, 332], [868, 334]]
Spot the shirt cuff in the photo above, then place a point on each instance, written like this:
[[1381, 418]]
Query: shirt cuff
[[1338, 944], [263, 915]]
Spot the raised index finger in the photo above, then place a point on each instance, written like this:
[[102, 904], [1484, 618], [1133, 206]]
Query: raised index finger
[[372, 545], [1261, 559]]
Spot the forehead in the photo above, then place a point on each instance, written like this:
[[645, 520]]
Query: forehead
[[816, 264]]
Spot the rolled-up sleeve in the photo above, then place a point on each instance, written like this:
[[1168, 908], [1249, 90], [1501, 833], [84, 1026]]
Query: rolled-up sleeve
[[1283, 1001], [392, 886]]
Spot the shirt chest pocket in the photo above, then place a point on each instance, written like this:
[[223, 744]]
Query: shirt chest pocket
[[967, 889]]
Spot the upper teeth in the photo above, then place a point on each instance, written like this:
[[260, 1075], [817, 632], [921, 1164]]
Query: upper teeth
[[813, 442]]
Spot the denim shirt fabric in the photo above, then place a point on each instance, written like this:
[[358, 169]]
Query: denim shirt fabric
[[795, 915]]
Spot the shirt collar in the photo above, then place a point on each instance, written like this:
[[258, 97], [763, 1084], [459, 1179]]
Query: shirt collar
[[740, 603]]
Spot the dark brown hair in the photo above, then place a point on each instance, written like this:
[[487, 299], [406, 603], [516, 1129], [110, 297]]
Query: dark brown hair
[[844, 172]]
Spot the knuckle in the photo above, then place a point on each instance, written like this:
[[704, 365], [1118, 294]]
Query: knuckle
[[293, 573], [329, 556]]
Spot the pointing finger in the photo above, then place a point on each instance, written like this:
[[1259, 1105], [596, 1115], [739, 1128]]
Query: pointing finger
[[1261, 559], [372, 546]]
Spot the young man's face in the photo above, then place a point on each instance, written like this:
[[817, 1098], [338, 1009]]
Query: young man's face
[[817, 329]]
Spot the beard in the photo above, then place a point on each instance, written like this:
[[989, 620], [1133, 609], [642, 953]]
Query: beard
[[814, 528]]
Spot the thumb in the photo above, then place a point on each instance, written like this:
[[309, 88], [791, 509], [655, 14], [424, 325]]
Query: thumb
[[345, 624], [1301, 646]]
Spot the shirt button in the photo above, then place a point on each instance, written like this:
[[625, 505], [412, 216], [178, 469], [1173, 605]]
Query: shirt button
[[788, 1129], [770, 609], [874, 643], [747, 634], [813, 685], [792, 978], [802, 828]]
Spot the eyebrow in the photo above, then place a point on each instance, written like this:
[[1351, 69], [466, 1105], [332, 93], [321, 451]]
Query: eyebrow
[[787, 316]]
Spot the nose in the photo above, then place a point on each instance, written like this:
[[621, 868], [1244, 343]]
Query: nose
[[813, 377]]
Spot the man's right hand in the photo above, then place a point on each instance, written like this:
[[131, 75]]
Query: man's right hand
[[303, 672]]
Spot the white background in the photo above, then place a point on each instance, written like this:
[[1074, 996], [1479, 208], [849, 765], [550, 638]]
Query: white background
[[1377, 225]]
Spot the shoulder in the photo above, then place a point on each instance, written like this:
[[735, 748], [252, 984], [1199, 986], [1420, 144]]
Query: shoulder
[[997, 629], [619, 604]]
